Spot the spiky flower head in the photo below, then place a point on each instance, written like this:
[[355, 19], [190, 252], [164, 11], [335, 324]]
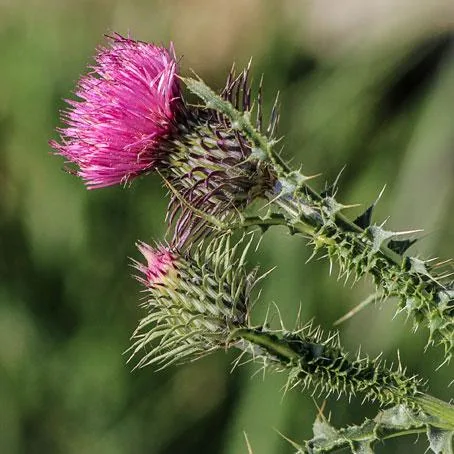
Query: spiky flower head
[[193, 301], [127, 107], [216, 170], [131, 118]]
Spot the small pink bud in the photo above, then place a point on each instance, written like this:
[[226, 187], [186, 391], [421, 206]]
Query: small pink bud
[[160, 262]]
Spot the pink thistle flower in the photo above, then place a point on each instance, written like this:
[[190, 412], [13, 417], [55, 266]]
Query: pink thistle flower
[[160, 263], [127, 108]]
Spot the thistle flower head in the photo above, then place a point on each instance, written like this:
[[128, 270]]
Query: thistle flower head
[[128, 105], [131, 118], [216, 169], [193, 301]]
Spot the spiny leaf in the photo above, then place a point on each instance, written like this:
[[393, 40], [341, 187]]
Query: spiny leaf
[[364, 219], [440, 440], [393, 422], [401, 246]]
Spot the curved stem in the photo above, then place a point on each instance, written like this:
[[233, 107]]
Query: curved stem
[[289, 352]]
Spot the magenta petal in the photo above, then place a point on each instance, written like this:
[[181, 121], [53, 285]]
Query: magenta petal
[[127, 105]]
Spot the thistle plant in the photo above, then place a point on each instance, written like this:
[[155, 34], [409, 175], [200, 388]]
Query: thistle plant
[[360, 247], [217, 158], [201, 301]]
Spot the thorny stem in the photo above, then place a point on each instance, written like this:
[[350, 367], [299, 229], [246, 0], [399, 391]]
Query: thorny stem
[[369, 432], [360, 248], [304, 219], [340, 219], [302, 215], [281, 350], [314, 221]]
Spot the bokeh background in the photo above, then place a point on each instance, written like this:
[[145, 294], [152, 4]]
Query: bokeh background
[[369, 85]]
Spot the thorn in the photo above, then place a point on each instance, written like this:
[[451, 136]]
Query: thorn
[[294, 444], [445, 276], [298, 317], [351, 205], [331, 190], [320, 409], [364, 220], [442, 263], [281, 322], [446, 361], [249, 448]]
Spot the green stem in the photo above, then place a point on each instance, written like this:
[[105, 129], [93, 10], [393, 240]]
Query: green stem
[[292, 354], [270, 343]]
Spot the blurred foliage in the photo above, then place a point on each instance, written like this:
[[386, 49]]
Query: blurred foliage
[[367, 85]]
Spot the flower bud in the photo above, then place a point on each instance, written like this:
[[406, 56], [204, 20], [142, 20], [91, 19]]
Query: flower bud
[[214, 169], [193, 301]]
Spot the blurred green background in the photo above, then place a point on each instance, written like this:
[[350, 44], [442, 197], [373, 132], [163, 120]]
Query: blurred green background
[[368, 85]]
